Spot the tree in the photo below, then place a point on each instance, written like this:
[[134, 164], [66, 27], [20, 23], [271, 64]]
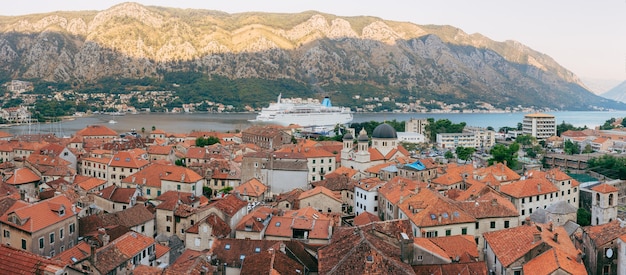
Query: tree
[[207, 191], [587, 149], [442, 126], [448, 155], [583, 217], [571, 148], [502, 153], [201, 142], [143, 130], [465, 153], [525, 140], [153, 127], [180, 162]]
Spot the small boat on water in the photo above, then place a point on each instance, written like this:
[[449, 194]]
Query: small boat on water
[[112, 121]]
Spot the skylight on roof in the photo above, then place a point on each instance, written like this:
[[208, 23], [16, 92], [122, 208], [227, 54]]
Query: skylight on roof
[[277, 224], [445, 215], [257, 250], [241, 257], [227, 247], [433, 216], [456, 214]]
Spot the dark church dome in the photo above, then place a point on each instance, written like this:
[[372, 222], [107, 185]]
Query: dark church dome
[[384, 131]]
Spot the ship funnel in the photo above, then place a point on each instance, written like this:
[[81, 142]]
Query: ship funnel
[[326, 102]]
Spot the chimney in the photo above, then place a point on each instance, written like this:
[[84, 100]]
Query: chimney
[[439, 218], [94, 258], [105, 239], [550, 226], [579, 257], [556, 237], [539, 187], [536, 237], [282, 247], [406, 248]]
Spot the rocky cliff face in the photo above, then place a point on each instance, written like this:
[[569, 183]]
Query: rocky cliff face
[[133, 41]]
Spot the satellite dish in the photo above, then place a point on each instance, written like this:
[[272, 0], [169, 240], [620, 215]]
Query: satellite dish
[[609, 253]]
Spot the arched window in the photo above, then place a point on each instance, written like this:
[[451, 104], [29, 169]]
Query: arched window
[[610, 199], [597, 198]]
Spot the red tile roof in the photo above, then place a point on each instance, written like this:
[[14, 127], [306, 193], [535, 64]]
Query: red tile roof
[[251, 188], [153, 174], [40, 215], [192, 263], [604, 188], [369, 249], [77, 253], [128, 159], [219, 227], [117, 194], [23, 176], [553, 260], [428, 208], [270, 262], [604, 233], [160, 150], [365, 218], [475, 268], [16, 261], [229, 205], [511, 244], [529, 187], [96, 130], [319, 190]]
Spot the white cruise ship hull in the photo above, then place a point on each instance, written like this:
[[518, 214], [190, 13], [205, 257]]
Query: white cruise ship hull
[[306, 115]]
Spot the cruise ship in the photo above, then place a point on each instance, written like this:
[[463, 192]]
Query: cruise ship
[[306, 114]]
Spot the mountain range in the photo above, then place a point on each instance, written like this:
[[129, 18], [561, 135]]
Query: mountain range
[[617, 93], [320, 53]]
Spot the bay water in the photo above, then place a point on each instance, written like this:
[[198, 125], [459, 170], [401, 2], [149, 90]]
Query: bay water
[[224, 122]]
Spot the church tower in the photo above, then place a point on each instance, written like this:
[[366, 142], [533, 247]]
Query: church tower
[[603, 204]]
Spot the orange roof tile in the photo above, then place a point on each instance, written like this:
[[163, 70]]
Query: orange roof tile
[[77, 253], [428, 208], [154, 173], [604, 188], [128, 159], [132, 243], [461, 247], [23, 176], [16, 261], [160, 150], [399, 187], [40, 215], [319, 190], [553, 260], [91, 183], [365, 218], [96, 130], [252, 188], [529, 187]]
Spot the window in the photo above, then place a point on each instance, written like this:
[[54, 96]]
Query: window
[[492, 225], [168, 218], [143, 228], [506, 224], [51, 238], [376, 198], [477, 225], [41, 243], [72, 228], [431, 234], [523, 200], [178, 187], [523, 212], [148, 191], [23, 244], [420, 258], [61, 231], [7, 234], [167, 229], [464, 231], [448, 232]]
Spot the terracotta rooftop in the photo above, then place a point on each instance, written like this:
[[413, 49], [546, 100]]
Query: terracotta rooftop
[[604, 233], [429, 208], [220, 228], [96, 130], [511, 244], [368, 184], [365, 218], [121, 250], [317, 191], [251, 188], [398, 188], [553, 261], [153, 174], [368, 249], [117, 194], [77, 253], [475, 268], [17, 261], [529, 187], [190, 262], [229, 205], [34, 217], [270, 262], [22, 176], [604, 188], [230, 251], [336, 182], [128, 159], [254, 221]]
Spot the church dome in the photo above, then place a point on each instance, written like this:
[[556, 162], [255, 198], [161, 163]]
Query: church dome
[[363, 136], [348, 136], [384, 131]]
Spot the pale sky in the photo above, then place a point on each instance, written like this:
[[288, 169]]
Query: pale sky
[[585, 36]]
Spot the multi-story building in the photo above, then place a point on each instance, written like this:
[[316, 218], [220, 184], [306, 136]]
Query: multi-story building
[[540, 126], [366, 195], [454, 140], [44, 228], [416, 125]]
